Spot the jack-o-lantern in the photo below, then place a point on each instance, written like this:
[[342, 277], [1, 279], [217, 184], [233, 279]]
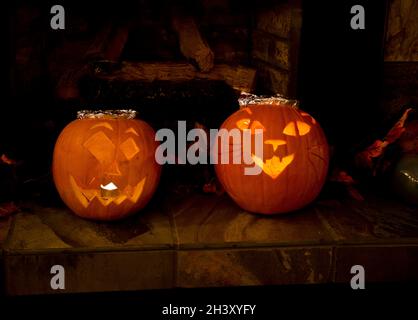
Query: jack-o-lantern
[[104, 166], [293, 165]]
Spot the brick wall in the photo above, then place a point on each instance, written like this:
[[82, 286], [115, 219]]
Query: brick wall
[[402, 31], [264, 35], [401, 57], [275, 42]]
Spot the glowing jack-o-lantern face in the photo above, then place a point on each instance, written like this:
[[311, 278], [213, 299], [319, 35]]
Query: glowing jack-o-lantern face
[[293, 165], [104, 166]]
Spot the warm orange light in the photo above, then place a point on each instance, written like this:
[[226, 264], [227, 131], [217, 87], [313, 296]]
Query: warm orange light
[[129, 148], [291, 168], [248, 110], [104, 166], [102, 125], [243, 124], [109, 190], [275, 143], [297, 127], [101, 147], [303, 128], [132, 130], [274, 166], [308, 115], [256, 125], [107, 194], [290, 129]]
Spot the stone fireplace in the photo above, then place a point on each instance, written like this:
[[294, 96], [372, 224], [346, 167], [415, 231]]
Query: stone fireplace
[[189, 61], [251, 46]]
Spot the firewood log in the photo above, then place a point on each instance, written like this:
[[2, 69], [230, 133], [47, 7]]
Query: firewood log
[[192, 45], [239, 77]]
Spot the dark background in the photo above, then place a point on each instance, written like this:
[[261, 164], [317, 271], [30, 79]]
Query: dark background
[[340, 79], [340, 83], [272, 302], [340, 70]]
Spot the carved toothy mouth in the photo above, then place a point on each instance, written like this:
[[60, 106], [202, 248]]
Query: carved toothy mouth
[[274, 166], [88, 196]]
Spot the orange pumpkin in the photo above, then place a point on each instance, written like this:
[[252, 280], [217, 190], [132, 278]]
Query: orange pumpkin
[[293, 166], [104, 166]]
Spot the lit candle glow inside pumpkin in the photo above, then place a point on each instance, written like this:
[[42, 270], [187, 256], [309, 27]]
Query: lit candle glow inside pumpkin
[[293, 163], [109, 190], [104, 167]]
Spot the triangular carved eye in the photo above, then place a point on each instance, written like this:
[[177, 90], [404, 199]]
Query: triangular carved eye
[[296, 128], [303, 128], [243, 124]]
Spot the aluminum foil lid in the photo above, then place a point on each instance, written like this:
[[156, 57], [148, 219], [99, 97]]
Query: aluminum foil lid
[[106, 114], [246, 99]]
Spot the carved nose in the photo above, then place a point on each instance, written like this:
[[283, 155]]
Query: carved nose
[[275, 143], [113, 170]]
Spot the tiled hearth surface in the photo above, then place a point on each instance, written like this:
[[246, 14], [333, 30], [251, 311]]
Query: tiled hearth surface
[[207, 241]]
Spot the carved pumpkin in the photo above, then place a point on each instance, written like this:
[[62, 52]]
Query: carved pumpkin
[[104, 166], [293, 166]]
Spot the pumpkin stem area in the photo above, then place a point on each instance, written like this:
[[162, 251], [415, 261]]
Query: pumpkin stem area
[[247, 99], [106, 114]]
